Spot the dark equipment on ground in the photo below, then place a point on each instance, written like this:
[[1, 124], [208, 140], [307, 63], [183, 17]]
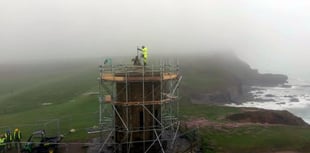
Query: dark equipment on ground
[[38, 142], [136, 60]]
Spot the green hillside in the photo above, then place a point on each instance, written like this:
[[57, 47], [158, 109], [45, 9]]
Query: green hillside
[[46, 96], [52, 96]]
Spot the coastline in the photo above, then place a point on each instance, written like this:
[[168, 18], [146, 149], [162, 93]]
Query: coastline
[[292, 97]]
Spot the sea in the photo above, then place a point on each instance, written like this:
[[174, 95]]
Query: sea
[[294, 96]]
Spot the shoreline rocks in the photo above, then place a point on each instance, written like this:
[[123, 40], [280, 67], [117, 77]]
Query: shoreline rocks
[[267, 116], [294, 100], [224, 78]]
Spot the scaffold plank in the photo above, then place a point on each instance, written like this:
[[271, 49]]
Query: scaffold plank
[[141, 102], [164, 76]]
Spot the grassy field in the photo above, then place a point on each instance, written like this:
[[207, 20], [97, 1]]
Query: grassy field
[[256, 139], [51, 96], [244, 139], [211, 112]]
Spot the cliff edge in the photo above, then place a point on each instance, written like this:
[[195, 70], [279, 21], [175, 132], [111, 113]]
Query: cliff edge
[[263, 116], [223, 78]]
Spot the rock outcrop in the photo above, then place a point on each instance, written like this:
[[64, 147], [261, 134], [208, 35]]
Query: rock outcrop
[[267, 117], [223, 78]]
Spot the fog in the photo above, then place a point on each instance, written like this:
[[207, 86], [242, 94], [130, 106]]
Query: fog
[[271, 35]]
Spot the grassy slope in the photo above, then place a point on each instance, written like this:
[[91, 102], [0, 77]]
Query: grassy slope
[[251, 138], [211, 112], [238, 140], [21, 99], [257, 139], [63, 86]]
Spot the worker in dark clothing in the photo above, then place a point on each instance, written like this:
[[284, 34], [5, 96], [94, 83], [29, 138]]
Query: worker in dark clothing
[[2, 144], [17, 137], [144, 51], [8, 139]]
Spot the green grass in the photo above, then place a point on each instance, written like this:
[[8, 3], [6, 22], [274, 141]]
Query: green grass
[[78, 114], [55, 90], [250, 138], [202, 81], [257, 139], [21, 99], [210, 112]]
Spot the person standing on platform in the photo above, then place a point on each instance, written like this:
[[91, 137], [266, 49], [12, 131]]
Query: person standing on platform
[[144, 51]]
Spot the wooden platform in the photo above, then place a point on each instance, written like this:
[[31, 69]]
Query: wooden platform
[[123, 78], [132, 103]]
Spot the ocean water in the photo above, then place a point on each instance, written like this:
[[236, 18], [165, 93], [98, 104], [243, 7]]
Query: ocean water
[[294, 97]]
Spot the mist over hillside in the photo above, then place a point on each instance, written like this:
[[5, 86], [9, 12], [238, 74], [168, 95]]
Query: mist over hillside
[[222, 78], [26, 88], [212, 78]]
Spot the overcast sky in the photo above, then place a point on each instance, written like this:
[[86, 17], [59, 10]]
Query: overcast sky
[[264, 33]]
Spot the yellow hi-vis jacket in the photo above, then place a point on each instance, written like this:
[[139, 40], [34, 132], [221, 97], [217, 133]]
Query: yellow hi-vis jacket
[[2, 142], [144, 51], [8, 137], [17, 136]]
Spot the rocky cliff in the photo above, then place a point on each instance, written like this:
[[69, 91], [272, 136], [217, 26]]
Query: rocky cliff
[[222, 78], [255, 115]]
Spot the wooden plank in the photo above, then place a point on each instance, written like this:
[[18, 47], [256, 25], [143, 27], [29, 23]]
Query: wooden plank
[[141, 102], [111, 77], [170, 76]]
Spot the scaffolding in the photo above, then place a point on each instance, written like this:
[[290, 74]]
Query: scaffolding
[[139, 107]]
